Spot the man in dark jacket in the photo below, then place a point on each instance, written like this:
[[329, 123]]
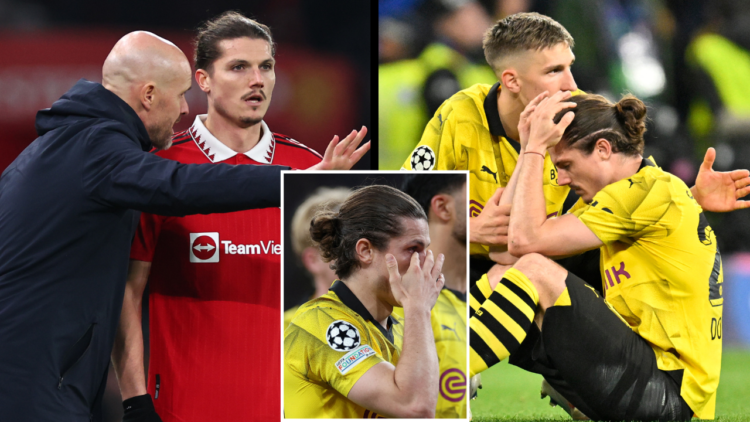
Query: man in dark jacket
[[68, 210]]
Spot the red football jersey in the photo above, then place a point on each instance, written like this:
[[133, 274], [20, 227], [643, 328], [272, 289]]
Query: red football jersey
[[215, 294]]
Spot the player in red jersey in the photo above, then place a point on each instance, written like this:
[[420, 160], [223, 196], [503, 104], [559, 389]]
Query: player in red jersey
[[214, 279]]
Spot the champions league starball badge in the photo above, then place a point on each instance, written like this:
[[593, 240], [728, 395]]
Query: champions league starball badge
[[342, 336], [423, 158]]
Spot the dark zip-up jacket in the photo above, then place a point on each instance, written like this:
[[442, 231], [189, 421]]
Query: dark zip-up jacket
[[69, 205]]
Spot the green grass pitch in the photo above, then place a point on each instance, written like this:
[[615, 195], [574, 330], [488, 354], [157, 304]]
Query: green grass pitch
[[512, 394]]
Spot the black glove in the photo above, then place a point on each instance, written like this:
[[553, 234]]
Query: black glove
[[140, 409]]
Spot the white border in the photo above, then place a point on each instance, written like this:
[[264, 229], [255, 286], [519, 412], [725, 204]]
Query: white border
[[283, 240]]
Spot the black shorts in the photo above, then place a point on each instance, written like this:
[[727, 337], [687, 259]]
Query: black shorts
[[591, 357], [478, 267]]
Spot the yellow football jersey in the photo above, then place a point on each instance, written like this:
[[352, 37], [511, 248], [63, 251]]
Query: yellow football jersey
[[466, 134], [448, 319], [289, 315], [662, 272], [331, 342]]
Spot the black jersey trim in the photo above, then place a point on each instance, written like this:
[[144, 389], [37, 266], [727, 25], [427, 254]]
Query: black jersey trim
[[182, 142], [570, 200], [493, 117], [646, 163], [459, 295], [349, 299]]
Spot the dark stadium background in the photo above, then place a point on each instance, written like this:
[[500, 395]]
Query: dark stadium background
[[646, 47], [663, 51], [323, 73]]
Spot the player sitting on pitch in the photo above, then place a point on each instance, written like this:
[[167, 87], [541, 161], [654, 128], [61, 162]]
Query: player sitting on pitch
[[345, 355], [646, 352]]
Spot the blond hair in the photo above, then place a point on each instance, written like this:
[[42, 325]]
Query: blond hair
[[522, 32], [329, 199]]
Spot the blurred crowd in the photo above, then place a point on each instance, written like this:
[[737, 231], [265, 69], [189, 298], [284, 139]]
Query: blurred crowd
[[689, 60]]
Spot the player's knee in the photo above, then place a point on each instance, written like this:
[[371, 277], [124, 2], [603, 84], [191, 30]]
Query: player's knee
[[533, 264], [546, 276]]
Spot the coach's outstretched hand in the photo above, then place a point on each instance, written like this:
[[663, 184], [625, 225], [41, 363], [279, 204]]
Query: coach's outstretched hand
[[720, 191], [139, 409], [421, 284], [345, 154]]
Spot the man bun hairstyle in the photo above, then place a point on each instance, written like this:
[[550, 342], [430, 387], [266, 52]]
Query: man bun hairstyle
[[622, 124], [227, 26], [374, 213], [522, 32]]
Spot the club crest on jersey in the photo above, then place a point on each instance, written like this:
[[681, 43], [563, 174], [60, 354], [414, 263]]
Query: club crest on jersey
[[342, 336], [204, 247], [423, 158]]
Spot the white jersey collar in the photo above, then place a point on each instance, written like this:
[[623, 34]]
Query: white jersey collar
[[217, 151]]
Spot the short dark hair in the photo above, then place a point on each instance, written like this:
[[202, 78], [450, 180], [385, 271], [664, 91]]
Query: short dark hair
[[622, 124], [522, 32], [374, 213], [227, 26], [424, 187]]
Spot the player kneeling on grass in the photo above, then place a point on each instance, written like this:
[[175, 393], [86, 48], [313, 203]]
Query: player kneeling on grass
[[345, 355], [646, 352]]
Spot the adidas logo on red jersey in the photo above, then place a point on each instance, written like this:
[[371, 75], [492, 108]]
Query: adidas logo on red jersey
[[205, 247]]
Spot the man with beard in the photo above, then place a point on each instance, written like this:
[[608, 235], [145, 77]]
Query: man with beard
[[443, 198], [68, 212]]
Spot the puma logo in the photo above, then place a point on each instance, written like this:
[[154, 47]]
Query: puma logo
[[487, 170], [631, 183], [445, 327]]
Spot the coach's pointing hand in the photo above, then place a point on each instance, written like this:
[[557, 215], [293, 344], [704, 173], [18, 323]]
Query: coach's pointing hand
[[345, 154]]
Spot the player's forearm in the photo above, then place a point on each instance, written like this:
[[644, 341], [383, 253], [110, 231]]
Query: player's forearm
[[510, 189], [529, 208], [417, 372], [127, 352]]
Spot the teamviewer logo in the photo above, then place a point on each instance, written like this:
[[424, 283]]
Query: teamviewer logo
[[204, 247]]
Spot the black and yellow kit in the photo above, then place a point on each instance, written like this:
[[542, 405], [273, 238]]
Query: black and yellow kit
[[466, 134], [662, 272], [647, 352], [448, 319], [331, 342]]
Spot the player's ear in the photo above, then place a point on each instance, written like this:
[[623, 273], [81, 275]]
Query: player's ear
[[147, 95], [365, 251], [310, 259], [603, 148], [443, 207], [509, 80], [203, 79]]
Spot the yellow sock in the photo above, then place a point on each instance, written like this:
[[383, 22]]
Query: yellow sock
[[499, 326], [479, 293]]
